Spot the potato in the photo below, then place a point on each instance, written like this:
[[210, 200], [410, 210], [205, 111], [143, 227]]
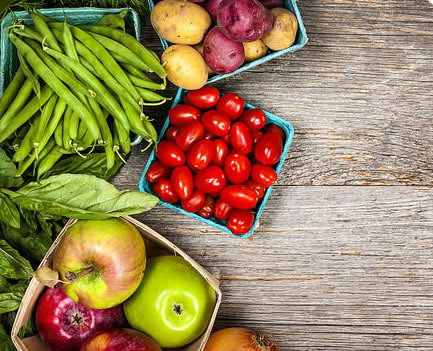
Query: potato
[[254, 50], [283, 32], [199, 48], [185, 67], [180, 21]]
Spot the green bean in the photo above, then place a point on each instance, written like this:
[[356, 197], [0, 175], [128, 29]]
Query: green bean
[[20, 136], [115, 21], [34, 157], [46, 115], [16, 106], [45, 151], [66, 120], [87, 65], [11, 91], [130, 42], [68, 42], [29, 74], [134, 119], [28, 32], [58, 133], [104, 56], [143, 83], [150, 130], [42, 27], [25, 114], [50, 79], [151, 96], [27, 143], [104, 96], [135, 71], [49, 161], [123, 136], [73, 126], [121, 51]]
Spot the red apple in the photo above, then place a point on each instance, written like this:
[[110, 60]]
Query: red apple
[[65, 325], [120, 339], [103, 261]]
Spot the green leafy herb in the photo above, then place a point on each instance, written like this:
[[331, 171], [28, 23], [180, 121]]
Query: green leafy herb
[[11, 300], [27, 329], [7, 172], [12, 264], [81, 196], [5, 341], [9, 213]]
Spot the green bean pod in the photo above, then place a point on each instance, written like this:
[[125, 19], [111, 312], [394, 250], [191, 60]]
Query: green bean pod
[[151, 96], [134, 119], [32, 159], [135, 71], [143, 83], [65, 133], [46, 115], [73, 126], [42, 27], [49, 161], [115, 21], [29, 74], [123, 136], [58, 133], [19, 136], [27, 143], [11, 91]]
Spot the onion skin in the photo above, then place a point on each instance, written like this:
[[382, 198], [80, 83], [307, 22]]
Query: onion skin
[[239, 339]]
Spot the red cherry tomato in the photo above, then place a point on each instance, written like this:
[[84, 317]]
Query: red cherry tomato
[[194, 203], [240, 221], [201, 155], [255, 119], [237, 167], [240, 196], [222, 209], [268, 149], [207, 209], [215, 194], [241, 138], [256, 134], [221, 152], [204, 98], [210, 180], [156, 171], [183, 114], [188, 134], [169, 154], [182, 182], [231, 104], [185, 99], [263, 175], [216, 122], [259, 189], [277, 130], [208, 135], [171, 133], [164, 190]]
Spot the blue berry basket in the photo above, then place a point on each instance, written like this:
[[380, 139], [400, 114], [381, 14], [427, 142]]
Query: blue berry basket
[[77, 16], [301, 40], [145, 186]]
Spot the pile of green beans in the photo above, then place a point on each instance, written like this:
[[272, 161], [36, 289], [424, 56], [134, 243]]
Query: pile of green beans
[[78, 87]]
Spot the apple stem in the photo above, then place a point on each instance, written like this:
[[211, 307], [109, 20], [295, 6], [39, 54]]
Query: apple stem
[[71, 276]]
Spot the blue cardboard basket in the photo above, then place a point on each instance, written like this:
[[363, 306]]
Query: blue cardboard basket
[[76, 16], [146, 187], [301, 40]]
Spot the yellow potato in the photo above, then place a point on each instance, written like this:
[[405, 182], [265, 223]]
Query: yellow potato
[[254, 50], [185, 67], [283, 32], [180, 21], [199, 48]]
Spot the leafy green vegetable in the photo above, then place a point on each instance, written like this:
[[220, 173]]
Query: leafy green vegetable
[[12, 264], [7, 172], [9, 213], [81, 196], [10, 301], [5, 341], [27, 329], [93, 164]]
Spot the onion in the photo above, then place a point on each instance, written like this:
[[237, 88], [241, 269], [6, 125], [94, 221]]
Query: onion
[[239, 339]]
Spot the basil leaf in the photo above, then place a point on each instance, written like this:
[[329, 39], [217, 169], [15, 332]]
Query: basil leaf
[[5, 341], [93, 164], [8, 172], [10, 301], [12, 264], [28, 329], [9, 213], [81, 196]]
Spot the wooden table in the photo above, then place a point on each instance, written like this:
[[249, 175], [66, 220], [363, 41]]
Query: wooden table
[[343, 257]]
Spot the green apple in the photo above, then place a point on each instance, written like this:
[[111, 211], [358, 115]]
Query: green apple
[[173, 303]]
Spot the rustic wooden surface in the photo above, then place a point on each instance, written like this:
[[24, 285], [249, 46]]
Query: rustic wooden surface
[[343, 257]]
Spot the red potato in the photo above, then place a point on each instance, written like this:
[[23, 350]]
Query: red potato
[[212, 8], [244, 20], [222, 54]]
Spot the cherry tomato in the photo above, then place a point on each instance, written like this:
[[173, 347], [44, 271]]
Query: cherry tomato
[[156, 171], [203, 98], [256, 134], [188, 134], [221, 152], [226, 139], [240, 221], [208, 135], [194, 203], [259, 189], [171, 133], [241, 138], [255, 119], [268, 149], [222, 209], [216, 122], [237, 167], [210, 180], [231, 104], [169, 154], [182, 182], [201, 155], [165, 191], [207, 209], [277, 130], [215, 194], [183, 114], [240, 196], [263, 175]]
